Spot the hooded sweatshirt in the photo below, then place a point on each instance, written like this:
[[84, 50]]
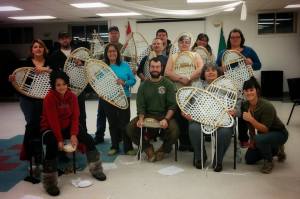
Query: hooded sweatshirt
[[60, 112]]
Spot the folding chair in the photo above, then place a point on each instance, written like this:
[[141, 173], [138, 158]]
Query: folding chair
[[294, 92], [154, 124]]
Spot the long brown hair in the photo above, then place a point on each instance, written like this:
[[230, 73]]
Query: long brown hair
[[39, 41]]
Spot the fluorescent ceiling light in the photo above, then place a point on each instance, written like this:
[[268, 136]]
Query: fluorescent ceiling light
[[32, 17], [208, 1], [118, 14], [229, 9], [9, 8], [293, 6], [89, 5]]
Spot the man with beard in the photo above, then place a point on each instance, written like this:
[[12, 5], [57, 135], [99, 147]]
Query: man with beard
[[155, 99], [157, 48], [57, 61]]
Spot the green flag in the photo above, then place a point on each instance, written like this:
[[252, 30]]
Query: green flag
[[222, 43]]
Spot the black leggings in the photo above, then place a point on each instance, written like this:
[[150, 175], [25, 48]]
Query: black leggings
[[51, 142]]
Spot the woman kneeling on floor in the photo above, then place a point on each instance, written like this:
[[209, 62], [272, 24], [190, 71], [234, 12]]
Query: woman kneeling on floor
[[271, 134], [60, 121]]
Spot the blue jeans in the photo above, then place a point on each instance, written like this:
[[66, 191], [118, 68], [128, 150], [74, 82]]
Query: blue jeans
[[266, 146], [101, 121], [223, 141]]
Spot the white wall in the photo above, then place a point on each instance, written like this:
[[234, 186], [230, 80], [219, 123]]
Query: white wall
[[148, 30], [276, 52]]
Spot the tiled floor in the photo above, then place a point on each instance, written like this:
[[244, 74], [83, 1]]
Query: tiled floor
[[135, 180]]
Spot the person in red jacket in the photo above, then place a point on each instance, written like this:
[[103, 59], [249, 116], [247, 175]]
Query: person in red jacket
[[60, 121]]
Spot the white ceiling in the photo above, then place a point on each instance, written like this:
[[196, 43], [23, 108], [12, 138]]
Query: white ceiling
[[66, 13]]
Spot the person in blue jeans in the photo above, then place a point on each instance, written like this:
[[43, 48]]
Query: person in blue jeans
[[261, 117], [236, 41], [208, 74]]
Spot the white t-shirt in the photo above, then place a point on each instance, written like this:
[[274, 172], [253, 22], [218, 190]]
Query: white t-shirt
[[66, 52]]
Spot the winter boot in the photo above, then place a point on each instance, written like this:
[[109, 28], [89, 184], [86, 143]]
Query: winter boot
[[95, 165], [50, 177]]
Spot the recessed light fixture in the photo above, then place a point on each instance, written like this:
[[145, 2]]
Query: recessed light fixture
[[9, 8], [293, 6], [229, 9], [208, 1], [89, 5], [119, 14], [32, 17]]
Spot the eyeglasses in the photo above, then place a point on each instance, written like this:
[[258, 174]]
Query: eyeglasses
[[237, 37], [185, 42]]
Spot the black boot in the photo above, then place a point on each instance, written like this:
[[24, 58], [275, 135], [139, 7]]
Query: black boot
[[95, 165], [50, 177]]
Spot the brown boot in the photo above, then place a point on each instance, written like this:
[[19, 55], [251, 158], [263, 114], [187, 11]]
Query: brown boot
[[160, 154], [267, 167], [281, 156], [150, 154]]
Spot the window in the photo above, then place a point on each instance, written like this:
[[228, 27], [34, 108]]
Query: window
[[84, 33], [16, 35], [272, 23]]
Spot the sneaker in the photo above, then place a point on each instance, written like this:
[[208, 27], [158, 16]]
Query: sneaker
[[131, 152], [267, 167], [218, 168], [150, 154], [281, 156], [244, 144], [112, 152]]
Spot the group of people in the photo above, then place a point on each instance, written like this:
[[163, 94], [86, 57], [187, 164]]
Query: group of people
[[62, 114]]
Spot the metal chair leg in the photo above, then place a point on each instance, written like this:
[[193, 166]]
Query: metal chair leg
[[234, 150], [74, 162], [176, 149], [291, 114]]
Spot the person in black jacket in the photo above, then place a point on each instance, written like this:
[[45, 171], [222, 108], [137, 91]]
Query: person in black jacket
[[57, 61], [32, 109]]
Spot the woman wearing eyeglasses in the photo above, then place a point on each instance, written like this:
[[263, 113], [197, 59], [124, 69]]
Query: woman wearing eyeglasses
[[236, 42], [184, 44]]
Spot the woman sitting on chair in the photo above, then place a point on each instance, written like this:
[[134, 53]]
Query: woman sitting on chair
[[261, 116], [60, 121], [208, 74]]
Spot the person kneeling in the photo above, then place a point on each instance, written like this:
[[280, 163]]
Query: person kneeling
[[60, 121], [261, 116], [155, 99]]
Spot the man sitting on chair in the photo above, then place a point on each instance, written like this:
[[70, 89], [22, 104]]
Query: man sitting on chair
[[155, 99]]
